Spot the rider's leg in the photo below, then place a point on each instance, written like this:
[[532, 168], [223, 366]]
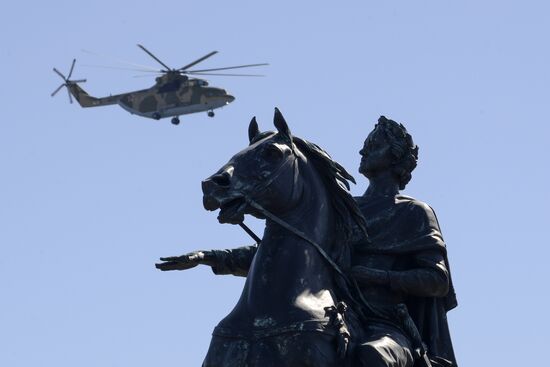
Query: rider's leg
[[384, 347]]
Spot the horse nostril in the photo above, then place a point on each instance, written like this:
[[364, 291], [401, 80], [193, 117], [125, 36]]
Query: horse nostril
[[222, 179]]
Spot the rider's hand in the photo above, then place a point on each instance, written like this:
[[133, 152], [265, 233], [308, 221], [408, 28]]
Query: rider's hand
[[342, 343], [186, 261], [370, 276]]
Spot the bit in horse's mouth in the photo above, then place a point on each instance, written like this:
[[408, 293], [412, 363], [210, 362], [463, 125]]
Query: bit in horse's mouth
[[232, 211]]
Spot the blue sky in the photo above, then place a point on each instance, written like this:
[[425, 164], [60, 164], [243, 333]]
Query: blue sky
[[89, 199]]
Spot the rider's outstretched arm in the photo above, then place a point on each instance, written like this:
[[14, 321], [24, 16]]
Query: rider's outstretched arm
[[234, 261]]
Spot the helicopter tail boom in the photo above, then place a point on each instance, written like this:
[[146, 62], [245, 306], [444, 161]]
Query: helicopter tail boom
[[85, 100]]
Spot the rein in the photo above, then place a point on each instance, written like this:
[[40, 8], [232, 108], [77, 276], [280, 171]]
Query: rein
[[296, 231]]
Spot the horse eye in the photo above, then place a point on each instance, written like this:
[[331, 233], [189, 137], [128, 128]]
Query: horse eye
[[272, 153]]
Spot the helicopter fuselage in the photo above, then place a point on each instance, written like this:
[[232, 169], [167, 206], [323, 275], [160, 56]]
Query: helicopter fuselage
[[165, 99], [168, 101]]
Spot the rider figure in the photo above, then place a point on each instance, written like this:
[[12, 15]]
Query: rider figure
[[404, 260], [401, 266]]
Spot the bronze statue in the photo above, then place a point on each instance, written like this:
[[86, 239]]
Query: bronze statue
[[320, 291]]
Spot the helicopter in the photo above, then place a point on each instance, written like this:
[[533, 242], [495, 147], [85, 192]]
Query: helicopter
[[175, 92]]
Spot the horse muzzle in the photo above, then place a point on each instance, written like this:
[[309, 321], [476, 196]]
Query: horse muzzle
[[217, 194]]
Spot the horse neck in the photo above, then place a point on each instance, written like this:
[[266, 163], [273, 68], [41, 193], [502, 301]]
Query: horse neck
[[289, 281], [313, 214]]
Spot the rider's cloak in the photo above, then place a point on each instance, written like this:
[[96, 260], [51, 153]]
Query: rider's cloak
[[411, 229]]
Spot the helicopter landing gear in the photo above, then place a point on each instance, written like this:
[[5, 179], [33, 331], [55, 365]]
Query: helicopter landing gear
[[156, 116], [211, 113], [175, 120]]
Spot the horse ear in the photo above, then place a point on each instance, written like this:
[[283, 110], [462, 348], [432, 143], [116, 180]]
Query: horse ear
[[253, 130], [281, 125]]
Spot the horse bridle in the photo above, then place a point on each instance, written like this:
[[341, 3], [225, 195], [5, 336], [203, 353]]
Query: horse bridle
[[290, 159]]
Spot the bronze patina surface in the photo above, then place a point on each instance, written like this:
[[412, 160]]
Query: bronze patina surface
[[335, 280]]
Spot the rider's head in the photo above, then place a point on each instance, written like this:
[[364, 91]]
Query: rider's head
[[389, 146]]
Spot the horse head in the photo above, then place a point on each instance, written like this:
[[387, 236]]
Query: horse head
[[291, 281], [267, 171]]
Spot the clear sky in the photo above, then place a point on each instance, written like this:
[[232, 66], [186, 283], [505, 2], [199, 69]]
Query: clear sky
[[89, 199]]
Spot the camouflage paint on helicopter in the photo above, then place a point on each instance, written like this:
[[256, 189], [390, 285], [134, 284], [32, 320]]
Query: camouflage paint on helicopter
[[174, 93], [174, 98]]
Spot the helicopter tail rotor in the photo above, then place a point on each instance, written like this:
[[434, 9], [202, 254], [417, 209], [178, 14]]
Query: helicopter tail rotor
[[67, 81]]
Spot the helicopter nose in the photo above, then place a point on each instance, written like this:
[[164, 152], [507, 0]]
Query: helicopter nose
[[230, 98]]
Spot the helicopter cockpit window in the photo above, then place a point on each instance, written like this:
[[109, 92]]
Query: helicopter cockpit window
[[171, 86], [203, 83]]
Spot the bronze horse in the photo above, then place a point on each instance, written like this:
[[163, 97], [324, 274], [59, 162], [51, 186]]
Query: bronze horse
[[281, 317]]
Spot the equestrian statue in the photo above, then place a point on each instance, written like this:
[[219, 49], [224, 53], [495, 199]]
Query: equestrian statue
[[336, 280]]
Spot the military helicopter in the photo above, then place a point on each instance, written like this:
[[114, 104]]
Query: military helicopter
[[175, 93]]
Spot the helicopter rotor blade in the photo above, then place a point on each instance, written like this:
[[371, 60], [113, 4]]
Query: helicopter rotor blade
[[72, 68], [120, 61], [228, 67], [59, 73], [154, 57], [221, 74], [57, 90], [70, 97], [197, 61], [144, 76], [120, 68], [78, 81]]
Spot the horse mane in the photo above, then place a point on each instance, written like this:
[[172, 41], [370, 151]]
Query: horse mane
[[335, 177]]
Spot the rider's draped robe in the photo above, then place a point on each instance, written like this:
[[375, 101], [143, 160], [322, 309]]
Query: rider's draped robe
[[405, 240]]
